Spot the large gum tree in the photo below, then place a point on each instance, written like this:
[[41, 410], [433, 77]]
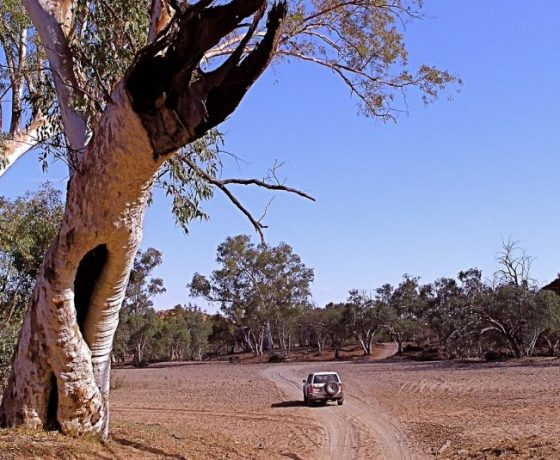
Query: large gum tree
[[129, 94]]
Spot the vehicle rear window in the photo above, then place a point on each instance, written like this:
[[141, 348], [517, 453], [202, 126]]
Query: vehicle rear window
[[325, 378]]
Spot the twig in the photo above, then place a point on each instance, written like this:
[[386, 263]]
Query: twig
[[222, 185]]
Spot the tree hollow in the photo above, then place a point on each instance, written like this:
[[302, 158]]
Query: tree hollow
[[87, 275]]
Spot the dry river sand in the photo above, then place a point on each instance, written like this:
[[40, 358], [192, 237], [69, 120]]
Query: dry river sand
[[393, 410]]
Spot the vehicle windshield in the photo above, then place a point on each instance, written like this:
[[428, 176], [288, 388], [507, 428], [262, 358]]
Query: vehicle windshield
[[325, 378]]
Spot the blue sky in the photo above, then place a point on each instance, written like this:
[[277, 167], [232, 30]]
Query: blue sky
[[431, 195]]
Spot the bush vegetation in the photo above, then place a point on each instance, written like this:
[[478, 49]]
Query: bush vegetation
[[264, 297]]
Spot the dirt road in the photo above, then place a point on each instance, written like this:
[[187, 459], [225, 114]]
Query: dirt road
[[358, 429], [394, 409]]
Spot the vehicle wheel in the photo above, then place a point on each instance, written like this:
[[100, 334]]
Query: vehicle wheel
[[310, 402], [340, 402], [332, 388]]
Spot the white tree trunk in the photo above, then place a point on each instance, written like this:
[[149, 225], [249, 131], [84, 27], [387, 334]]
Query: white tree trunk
[[63, 356], [52, 19]]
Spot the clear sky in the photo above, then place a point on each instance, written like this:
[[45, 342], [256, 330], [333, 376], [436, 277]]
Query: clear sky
[[431, 195]]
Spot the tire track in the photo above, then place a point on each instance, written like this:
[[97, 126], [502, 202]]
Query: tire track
[[338, 434], [358, 429]]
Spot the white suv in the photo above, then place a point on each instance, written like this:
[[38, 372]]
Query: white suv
[[323, 387]]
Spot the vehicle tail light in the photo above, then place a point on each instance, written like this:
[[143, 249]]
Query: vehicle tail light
[[310, 389]]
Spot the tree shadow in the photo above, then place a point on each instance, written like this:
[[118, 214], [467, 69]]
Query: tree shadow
[[145, 448], [161, 365], [288, 404], [173, 364], [292, 456], [412, 365]]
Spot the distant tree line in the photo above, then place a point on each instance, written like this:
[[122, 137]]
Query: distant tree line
[[449, 318], [264, 297], [145, 335], [465, 317]]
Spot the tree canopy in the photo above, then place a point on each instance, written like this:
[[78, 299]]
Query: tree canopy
[[258, 287], [360, 42]]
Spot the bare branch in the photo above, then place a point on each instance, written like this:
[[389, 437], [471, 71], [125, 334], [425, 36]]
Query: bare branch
[[515, 264], [265, 211], [260, 183], [339, 70], [217, 183], [222, 185]]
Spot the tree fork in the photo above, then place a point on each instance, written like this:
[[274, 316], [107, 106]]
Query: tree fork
[[178, 102]]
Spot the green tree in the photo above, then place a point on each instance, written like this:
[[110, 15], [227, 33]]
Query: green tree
[[513, 311], [137, 323], [515, 316], [173, 339], [187, 329], [314, 328], [359, 41], [145, 333], [551, 334], [364, 317], [179, 334], [222, 337], [336, 327], [470, 317], [402, 307], [27, 225], [258, 288], [449, 311], [142, 287]]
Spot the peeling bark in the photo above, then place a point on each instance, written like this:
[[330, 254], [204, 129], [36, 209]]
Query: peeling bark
[[160, 16], [60, 375], [175, 99]]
